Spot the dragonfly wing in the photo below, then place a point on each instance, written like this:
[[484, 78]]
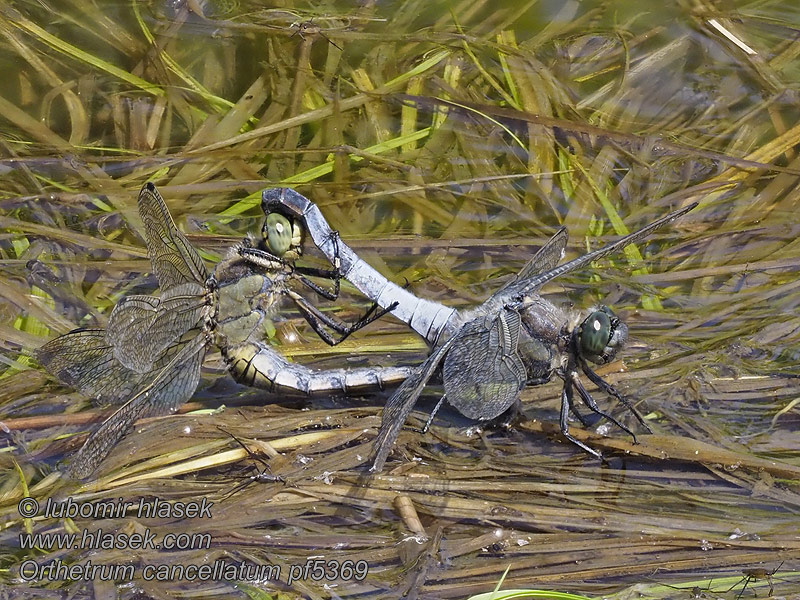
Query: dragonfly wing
[[483, 372], [400, 404], [83, 359], [173, 258], [525, 288], [174, 379], [546, 258], [141, 328]]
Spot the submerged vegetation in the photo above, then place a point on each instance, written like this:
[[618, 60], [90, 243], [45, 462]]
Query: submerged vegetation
[[446, 142]]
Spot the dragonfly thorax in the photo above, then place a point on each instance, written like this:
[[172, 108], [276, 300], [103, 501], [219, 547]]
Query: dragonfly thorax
[[245, 297], [543, 320]]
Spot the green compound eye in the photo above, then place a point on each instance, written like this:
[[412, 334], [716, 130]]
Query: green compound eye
[[595, 333], [277, 234]]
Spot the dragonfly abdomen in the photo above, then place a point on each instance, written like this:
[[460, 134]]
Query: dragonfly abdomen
[[256, 364], [428, 318]]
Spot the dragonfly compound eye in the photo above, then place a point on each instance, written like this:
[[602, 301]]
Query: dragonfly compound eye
[[601, 335], [278, 234]]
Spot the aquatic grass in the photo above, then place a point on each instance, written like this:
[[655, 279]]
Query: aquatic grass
[[506, 38], [27, 522], [326, 168], [488, 77], [16, 18], [192, 83], [181, 462], [632, 252], [320, 113], [36, 129], [512, 594]]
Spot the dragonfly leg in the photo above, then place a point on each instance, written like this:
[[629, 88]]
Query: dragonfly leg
[[566, 400], [586, 422], [334, 274], [250, 453], [611, 391], [322, 291], [270, 262], [589, 401], [260, 258], [746, 580], [317, 272], [436, 408], [317, 319]]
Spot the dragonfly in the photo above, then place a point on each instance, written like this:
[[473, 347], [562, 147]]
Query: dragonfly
[[148, 358], [487, 354]]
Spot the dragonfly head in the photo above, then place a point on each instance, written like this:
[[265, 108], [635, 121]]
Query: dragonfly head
[[600, 336], [281, 236]]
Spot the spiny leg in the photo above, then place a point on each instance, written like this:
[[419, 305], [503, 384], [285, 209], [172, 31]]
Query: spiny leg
[[573, 409], [770, 575], [316, 318], [238, 487], [611, 391], [313, 315], [566, 401], [260, 258], [578, 415], [589, 401], [329, 40], [538, 380], [334, 274], [317, 272], [337, 324], [322, 291], [270, 262], [746, 580], [250, 453]]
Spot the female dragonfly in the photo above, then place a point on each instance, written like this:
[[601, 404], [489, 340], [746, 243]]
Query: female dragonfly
[[148, 358]]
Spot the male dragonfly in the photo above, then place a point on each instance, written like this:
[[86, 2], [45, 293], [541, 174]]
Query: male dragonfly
[[490, 352], [148, 358]]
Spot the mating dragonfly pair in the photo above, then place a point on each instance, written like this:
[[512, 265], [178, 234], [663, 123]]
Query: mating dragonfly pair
[[150, 355]]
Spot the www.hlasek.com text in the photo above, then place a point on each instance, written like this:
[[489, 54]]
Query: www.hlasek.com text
[[114, 540]]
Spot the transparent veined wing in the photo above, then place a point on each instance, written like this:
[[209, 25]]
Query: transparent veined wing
[[141, 328], [483, 372], [83, 359], [174, 379], [545, 259], [522, 288], [174, 259], [399, 406]]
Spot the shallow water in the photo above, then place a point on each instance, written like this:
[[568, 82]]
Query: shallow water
[[597, 116]]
